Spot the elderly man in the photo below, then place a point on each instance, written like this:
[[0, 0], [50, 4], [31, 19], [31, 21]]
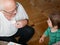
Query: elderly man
[[13, 22]]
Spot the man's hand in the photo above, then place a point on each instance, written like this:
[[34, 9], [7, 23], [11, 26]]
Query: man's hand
[[20, 23]]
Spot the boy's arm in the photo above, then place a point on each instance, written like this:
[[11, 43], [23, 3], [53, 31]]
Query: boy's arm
[[46, 33], [43, 36]]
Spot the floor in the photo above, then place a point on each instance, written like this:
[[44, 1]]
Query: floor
[[38, 11]]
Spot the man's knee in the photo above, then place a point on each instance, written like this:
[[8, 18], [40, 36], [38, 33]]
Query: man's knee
[[26, 34], [30, 30], [27, 31]]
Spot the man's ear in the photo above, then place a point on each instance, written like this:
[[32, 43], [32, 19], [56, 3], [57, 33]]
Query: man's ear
[[1, 6]]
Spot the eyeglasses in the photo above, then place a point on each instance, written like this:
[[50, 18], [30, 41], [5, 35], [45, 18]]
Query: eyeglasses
[[11, 12]]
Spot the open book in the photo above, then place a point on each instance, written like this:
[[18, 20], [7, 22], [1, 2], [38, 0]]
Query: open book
[[12, 43]]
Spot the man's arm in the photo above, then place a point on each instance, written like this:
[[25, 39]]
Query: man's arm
[[22, 17], [21, 23]]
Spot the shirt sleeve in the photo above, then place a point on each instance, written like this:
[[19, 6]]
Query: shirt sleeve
[[46, 33], [21, 13]]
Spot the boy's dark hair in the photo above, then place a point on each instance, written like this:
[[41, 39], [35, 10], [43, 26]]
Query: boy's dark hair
[[55, 19]]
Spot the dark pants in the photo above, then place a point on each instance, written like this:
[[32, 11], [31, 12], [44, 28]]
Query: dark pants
[[25, 34]]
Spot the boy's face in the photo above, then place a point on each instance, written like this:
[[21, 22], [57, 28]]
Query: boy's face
[[49, 23]]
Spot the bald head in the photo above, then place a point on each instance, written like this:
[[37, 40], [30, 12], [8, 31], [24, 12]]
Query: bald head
[[8, 5]]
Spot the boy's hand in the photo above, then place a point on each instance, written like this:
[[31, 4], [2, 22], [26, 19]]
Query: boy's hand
[[41, 40]]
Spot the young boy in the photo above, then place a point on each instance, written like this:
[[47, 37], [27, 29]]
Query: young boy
[[53, 31]]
